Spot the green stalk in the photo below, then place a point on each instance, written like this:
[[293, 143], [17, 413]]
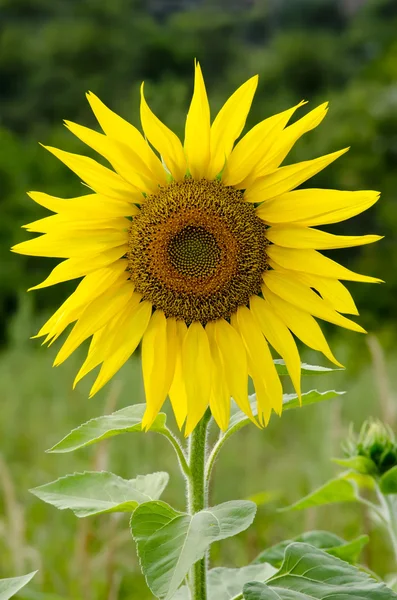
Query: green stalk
[[197, 495]]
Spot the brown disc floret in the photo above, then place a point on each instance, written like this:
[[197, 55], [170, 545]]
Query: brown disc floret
[[197, 250]]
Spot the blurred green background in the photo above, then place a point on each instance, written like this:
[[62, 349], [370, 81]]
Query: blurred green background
[[51, 53]]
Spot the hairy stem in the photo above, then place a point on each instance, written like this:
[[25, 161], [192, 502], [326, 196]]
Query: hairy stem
[[197, 495], [179, 452], [389, 517]]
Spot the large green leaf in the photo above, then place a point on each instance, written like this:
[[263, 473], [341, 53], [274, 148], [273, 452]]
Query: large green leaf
[[94, 493], [123, 421], [388, 482], [9, 587], [309, 573], [239, 419], [224, 584], [170, 542], [341, 489], [325, 540], [305, 368]]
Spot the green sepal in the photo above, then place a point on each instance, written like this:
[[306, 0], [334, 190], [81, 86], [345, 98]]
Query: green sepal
[[122, 421], [98, 492]]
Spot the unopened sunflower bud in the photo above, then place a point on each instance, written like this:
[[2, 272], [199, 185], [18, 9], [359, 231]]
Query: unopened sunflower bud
[[375, 442]]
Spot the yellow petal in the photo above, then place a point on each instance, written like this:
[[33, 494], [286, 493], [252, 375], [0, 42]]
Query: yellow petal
[[332, 290], [154, 366], [254, 147], [92, 286], [196, 363], [177, 390], [99, 312], [73, 245], [290, 135], [229, 124], [197, 130], [73, 222], [278, 336], [263, 368], [116, 127], [123, 159], [287, 178], [164, 140], [301, 323], [313, 262], [77, 267], [89, 206], [99, 178], [99, 346], [124, 343], [220, 397], [234, 357], [315, 206], [296, 236], [304, 298]]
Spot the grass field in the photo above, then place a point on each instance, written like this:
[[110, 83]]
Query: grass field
[[95, 559]]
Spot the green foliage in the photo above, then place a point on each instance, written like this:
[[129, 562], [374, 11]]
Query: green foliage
[[341, 489], [122, 421], [170, 542], [95, 493], [305, 368], [225, 584], [9, 587], [50, 56], [308, 573], [360, 464], [238, 419], [325, 540]]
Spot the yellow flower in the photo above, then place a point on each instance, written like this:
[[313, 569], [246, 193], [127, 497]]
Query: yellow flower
[[202, 251]]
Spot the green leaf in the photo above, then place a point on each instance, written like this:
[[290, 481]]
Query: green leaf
[[325, 540], [123, 421], [340, 489], [312, 397], [237, 417], [308, 573], [170, 542], [305, 368], [224, 584], [9, 587], [361, 464], [94, 493], [388, 482]]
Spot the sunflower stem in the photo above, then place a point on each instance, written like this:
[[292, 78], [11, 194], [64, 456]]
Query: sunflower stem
[[197, 498], [179, 452]]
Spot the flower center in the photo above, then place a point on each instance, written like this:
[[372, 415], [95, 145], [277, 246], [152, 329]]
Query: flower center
[[194, 252], [197, 250]]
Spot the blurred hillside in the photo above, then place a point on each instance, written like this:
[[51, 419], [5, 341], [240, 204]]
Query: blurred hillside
[[53, 51]]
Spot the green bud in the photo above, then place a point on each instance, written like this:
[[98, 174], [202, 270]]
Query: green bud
[[375, 442]]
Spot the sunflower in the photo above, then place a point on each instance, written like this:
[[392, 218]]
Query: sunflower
[[202, 251]]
